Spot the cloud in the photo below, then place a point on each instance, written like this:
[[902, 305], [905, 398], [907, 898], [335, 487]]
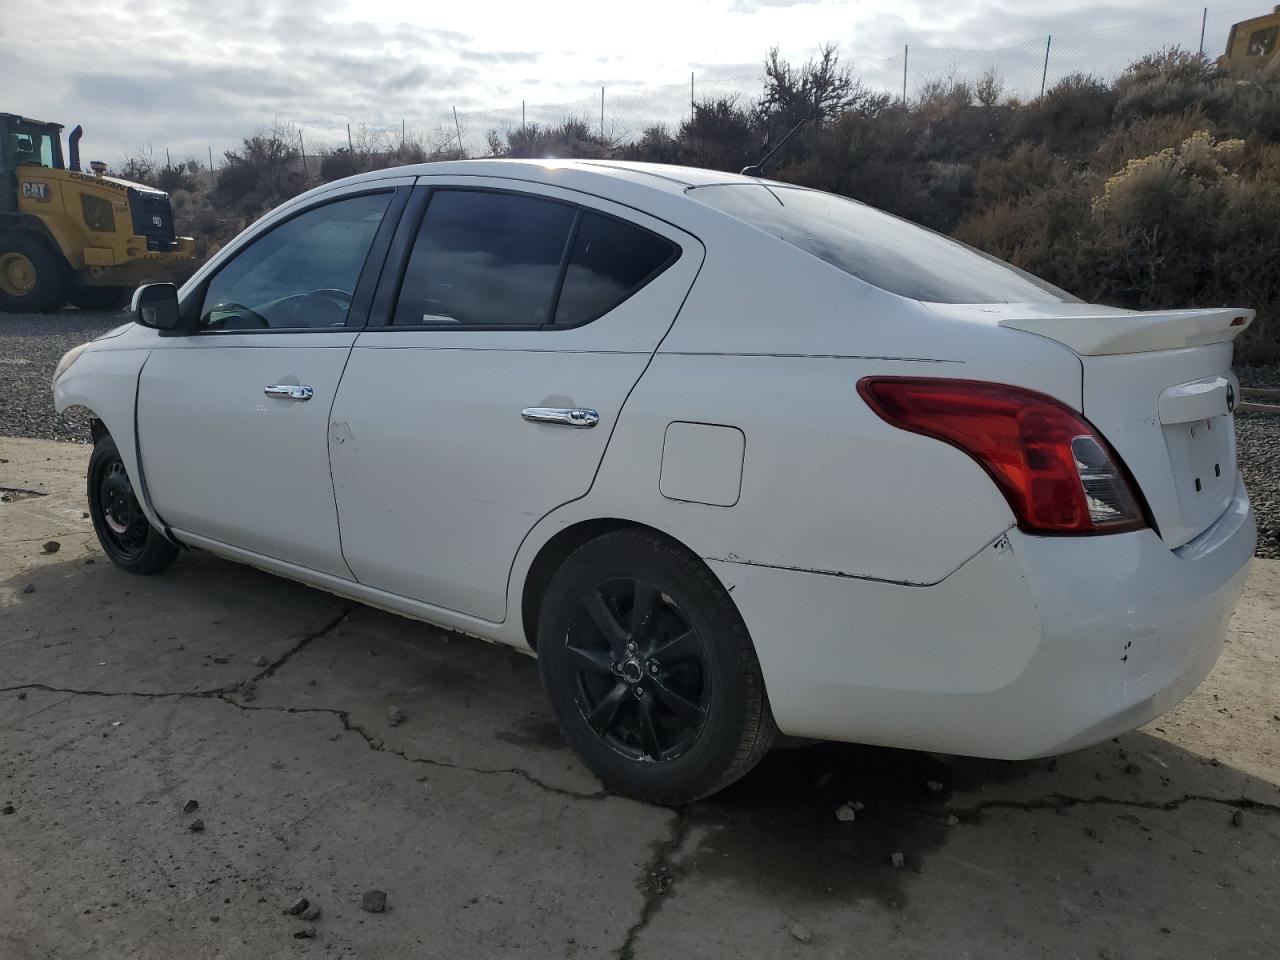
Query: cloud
[[190, 74], [500, 56]]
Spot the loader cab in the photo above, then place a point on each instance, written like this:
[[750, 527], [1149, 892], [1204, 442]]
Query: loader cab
[[25, 141]]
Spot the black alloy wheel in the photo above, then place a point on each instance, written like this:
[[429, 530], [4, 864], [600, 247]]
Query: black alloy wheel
[[641, 671], [650, 669]]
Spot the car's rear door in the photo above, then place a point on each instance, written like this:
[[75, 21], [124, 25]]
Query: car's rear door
[[233, 418], [485, 389]]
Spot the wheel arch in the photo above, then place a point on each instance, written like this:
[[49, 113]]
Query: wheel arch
[[28, 224], [552, 555]]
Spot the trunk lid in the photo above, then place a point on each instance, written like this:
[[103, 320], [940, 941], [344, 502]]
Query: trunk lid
[[1158, 385]]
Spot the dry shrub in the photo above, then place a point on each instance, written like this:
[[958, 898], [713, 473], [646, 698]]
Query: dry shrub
[[1167, 81], [1030, 167], [1147, 135], [1071, 117]]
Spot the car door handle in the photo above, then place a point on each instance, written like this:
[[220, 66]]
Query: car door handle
[[567, 416], [290, 391]]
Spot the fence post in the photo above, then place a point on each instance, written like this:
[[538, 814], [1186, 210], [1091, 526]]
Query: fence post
[[1204, 18], [602, 114], [693, 109], [906, 49], [350, 148], [302, 148], [211, 159], [402, 133], [458, 128], [524, 127], [1044, 77]]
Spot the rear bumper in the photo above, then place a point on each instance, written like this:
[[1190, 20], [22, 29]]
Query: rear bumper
[[1036, 646]]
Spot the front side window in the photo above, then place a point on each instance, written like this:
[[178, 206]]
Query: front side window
[[302, 273], [609, 261], [1262, 43], [485, 259], [885, 251], [33, 145]]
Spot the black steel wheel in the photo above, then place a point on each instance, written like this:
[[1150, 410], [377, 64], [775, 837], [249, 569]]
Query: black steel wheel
[[126, 536], [650, 669]]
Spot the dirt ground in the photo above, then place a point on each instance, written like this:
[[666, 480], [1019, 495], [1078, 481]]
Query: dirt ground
[[124, 698]]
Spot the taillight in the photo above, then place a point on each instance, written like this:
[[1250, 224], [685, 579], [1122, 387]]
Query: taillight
[[1058, 474]]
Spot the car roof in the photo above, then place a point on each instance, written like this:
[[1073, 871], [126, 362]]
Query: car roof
[[666, 178]]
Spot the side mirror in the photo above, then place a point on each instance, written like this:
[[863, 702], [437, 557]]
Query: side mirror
[[155, 305]]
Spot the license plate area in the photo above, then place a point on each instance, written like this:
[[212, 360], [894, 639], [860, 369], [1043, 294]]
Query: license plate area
[[1202, 454]]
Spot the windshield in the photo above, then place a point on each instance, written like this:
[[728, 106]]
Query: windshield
[[38, 145], [886, 251]]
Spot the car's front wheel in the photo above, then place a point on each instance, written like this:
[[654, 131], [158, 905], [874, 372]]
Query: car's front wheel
[[650, 669], [124, 531]]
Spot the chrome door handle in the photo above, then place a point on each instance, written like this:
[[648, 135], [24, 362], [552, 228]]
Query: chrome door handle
[[289, 391], [568, 416]]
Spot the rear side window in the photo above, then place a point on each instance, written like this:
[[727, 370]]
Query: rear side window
[[485, 259], [610, 260], [885, 251]]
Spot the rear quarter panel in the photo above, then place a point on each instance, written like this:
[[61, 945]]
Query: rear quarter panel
[[773, 341]]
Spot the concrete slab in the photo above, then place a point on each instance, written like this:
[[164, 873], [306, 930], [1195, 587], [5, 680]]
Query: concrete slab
[[121, 698]]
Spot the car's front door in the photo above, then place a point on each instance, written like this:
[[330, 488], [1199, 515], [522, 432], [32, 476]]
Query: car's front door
[[525, 313], [233, 418]]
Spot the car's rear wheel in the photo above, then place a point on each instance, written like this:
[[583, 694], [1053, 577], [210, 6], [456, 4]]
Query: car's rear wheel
[[650, 669], [124, 531]]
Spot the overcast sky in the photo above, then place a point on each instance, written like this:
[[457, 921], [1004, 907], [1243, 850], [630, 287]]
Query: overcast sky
[[194, 74]]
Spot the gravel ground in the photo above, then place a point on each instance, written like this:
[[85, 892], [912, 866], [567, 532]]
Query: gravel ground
[[31, 344]]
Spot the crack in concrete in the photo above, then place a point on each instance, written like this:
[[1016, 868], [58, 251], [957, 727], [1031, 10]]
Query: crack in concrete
[[656, 882], [271, 668], [218, 692], [1062, 801], [224, 693], [376, 743]]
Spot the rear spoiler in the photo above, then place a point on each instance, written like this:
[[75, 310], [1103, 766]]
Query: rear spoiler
[[1138, 331]]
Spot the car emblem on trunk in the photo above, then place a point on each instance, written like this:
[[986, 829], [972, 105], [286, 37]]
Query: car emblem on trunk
[[1231, 399]]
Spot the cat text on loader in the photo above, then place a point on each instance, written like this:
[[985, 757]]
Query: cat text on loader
[[66, 235]]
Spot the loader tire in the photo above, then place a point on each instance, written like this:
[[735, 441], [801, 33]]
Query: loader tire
[[100, 298], [34, 278]]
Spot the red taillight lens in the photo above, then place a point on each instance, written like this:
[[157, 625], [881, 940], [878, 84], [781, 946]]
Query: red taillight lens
[[1058, 474]]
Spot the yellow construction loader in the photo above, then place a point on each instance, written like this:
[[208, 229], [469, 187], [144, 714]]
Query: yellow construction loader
[[1252, 43], [67, 235]]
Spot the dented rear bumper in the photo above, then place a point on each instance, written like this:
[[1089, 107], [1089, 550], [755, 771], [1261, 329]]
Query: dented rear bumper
[[1036, 646]]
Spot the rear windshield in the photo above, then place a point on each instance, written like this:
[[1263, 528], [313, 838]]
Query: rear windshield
[[886, 251]]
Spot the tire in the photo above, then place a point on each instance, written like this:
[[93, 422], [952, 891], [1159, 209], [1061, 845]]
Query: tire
[[100, 298], [127, 537], [33, 277], [681, 714]]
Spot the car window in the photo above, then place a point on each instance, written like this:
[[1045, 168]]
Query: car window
[[886, 251], [610, 260], [303, 273], [483, 259]]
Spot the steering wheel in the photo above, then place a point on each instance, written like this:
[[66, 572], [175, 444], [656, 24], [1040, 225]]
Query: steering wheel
[[241, 317], [326, 298]]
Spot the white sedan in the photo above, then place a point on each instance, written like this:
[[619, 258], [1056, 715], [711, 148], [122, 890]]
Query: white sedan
[[731, 456]]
